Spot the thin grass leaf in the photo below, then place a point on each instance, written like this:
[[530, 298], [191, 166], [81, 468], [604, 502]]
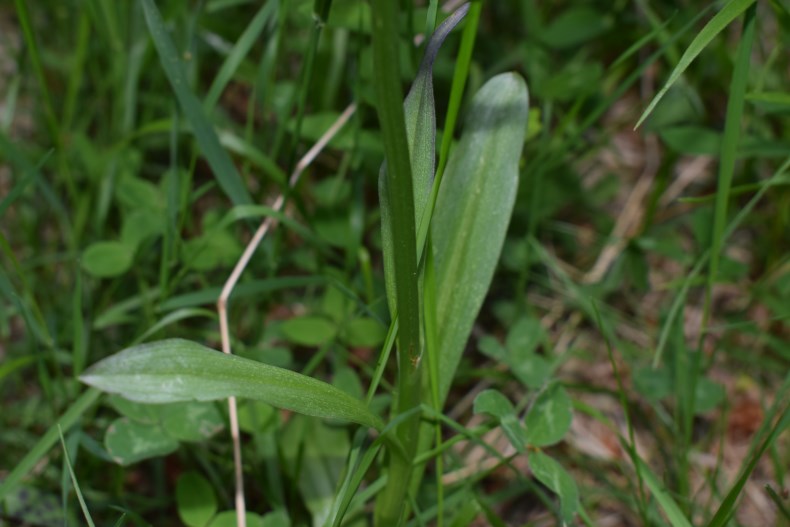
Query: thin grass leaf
[[729, 149], [27, 177], [47, 441], [722, 19], [782, 407], [227, 176], [180, 370], [172, 318], [778, 502], [688, 281], [83, 505], [240, 49], [670, 507], [774, 98]]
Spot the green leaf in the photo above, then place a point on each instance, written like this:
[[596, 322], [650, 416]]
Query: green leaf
[[653, 383], [523, 339], [309, 330], [191, 421], [129, 441], [575, 26], [551, 474], [195, 500], [493, 402], [531, 370], [180, 370], [473, 210], [722, 19], [772, 100], [107, 259], [320, 452], [276, 519], [141, 225], [695, 140], [142, 413], [364, 333], [525, 336], [550, 417], [664, 498], [228, 519], [224, 170], [420, 115], [709, 394]]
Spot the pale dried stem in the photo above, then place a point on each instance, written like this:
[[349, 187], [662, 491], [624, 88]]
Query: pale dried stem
[[222, 303]]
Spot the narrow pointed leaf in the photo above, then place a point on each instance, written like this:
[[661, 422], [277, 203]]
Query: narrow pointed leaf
[[721, 20], [473, 211], [222, 166], [180, 370], [420, 114]]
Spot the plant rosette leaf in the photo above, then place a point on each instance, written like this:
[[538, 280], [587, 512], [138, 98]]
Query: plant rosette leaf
[[549, 472], [176, 370], [550, 417]]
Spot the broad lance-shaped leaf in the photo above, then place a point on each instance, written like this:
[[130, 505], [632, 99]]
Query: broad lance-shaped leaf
[[177, 370], [473, 210], [420, 115]]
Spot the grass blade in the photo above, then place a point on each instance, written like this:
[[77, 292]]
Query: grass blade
[[237, 54], [722, 19], [727, 507], [729, 150], [671, 509], [227, 176], [74, 481], [47, 441]]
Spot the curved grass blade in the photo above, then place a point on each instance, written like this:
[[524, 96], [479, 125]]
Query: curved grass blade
[[473, 211], [227, 176], [178, 370], [240, 49], [722, 19]]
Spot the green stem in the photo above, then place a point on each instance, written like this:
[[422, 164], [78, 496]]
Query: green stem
[[386, 67]]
